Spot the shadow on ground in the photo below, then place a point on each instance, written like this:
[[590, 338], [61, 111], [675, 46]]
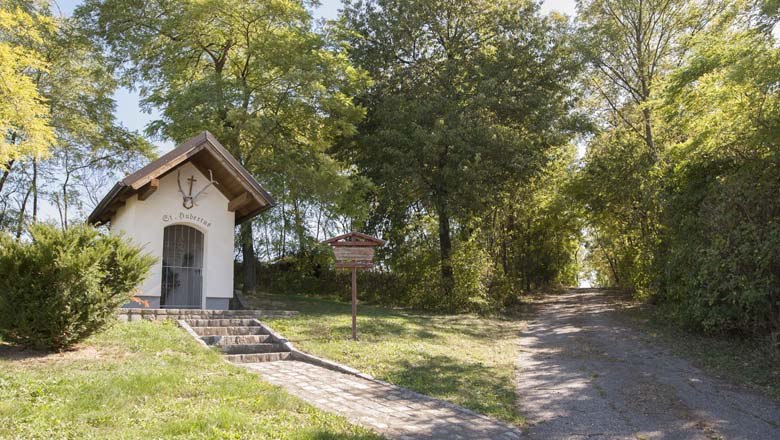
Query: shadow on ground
[[583, 373]]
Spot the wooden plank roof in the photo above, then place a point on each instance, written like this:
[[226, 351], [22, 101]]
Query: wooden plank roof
[[247, 197], [354, 238]]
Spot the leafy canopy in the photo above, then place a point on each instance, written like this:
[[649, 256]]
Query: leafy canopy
[[24, 115], [253, 73], [468, 98]]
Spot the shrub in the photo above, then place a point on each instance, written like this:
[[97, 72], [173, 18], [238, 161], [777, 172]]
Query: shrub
[[414, 279], [723, 264], [62, 286]]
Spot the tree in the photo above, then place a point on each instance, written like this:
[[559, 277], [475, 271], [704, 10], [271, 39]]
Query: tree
[[468, 98], [24, 116], [73, 90], [535, 233], [722, 222], [254, 73], [631, 45], [89, 139]]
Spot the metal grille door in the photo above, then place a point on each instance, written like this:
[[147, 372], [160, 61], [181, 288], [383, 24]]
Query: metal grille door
[[182, 272]]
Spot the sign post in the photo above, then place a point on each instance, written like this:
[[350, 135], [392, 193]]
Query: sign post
[[354, 251], [354, 303]]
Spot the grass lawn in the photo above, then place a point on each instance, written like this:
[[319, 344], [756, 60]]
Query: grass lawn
[[467, 360], [742, 361], [149, 380]]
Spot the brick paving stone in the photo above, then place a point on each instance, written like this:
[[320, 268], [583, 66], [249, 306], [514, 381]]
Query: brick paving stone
[[394, 412]]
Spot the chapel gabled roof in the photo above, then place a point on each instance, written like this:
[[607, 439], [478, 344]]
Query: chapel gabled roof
[[246, 196]]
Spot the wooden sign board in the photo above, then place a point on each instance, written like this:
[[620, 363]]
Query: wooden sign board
[[354, 251], [354, 265], [361, 254]]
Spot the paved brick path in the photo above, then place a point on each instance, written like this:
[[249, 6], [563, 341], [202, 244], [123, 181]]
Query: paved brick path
[[394, 412]]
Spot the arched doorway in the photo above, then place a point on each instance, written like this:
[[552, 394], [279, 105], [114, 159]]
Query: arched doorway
[[182, 271]]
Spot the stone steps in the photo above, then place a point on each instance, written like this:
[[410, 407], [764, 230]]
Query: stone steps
[[241, 340], [252, 348], [222, 323], [234, 339], [257, 357], [227, 331], [133, 314]]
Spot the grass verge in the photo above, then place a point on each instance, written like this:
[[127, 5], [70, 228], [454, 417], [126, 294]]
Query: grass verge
[[465, 359], [149, 380], [747, 362]]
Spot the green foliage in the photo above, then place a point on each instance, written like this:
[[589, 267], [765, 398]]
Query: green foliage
[[418, 280], [61, 141], [473, 275], [619, 189], [631, 46], [722, 268], [24, 116], [689, 216], [468, 100], [534, 233], [273, 91], [527, 241], [63, 286]]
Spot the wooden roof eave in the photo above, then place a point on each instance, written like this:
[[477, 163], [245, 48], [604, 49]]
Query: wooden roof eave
[[253, 213], [189, 148], [172, 160], [367, 240], [98, 215]]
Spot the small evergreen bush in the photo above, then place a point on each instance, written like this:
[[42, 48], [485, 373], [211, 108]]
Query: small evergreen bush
[[62, 286]]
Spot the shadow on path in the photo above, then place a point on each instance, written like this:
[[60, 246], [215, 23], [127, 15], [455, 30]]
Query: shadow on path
[[583, 374]]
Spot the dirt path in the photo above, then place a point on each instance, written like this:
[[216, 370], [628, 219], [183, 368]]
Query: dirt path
[[584, 374]]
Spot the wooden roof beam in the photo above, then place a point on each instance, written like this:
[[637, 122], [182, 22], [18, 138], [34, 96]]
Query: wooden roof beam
[[148, 189], [239, 201]]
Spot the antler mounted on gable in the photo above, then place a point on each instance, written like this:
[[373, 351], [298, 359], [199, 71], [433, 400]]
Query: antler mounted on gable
[[211, 182], [188, 200]]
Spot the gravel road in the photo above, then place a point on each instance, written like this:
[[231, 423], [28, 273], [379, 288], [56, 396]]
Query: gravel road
[[586, 375]]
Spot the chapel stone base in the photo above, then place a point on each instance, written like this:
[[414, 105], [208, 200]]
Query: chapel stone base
[[136, 314], [153, 302]]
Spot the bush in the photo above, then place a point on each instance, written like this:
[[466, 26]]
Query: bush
[[62, 286], [414, 279], [723, 263]]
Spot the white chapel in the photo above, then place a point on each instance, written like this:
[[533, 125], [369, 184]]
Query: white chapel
[[183, 209]]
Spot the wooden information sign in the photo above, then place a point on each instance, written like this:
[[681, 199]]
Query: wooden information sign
[[354, 251]]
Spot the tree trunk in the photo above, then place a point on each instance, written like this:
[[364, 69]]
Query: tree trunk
[[649, 134], [22, 209], [300, 229], [445, 248], [248, 257], [613, 268], [505, 242], [35, 190], [65, 202], [528, 263], [284, 230], [7, 171]]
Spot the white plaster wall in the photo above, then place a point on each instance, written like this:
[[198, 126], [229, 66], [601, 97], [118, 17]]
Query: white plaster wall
[[144, 221]]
